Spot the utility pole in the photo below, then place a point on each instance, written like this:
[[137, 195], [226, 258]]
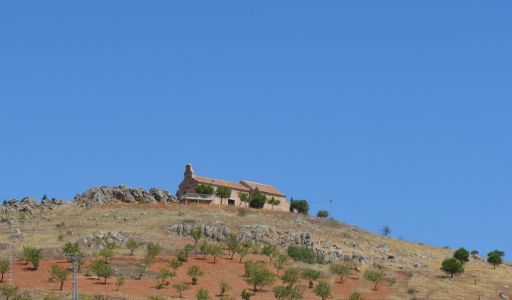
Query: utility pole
[[75, 260], [11, 251], [330, 208]]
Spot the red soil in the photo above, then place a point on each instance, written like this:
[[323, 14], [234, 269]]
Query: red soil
[[224, 269]]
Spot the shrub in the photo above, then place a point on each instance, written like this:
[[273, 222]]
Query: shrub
[[301, 206], [244, 198], [246, 295], [257, 199], [259, 276], [215, 250], [323, 290], [175, 263], [290, 276], [60, 273], [462, 255], [197, 234], [162, 278], [322, 214], [495, 257], [303, 254], [355, 296], [204, 189], [242, 212], [202, 294], [101, 268], [180, 288], [132, 245], [71, 249], [194, 272], [270, 251], [223, 287], [288, 292], [223, 193], [340, 269], [311, 276], [32, 255], [9, 291], [106, 253], [273, 202], [4, 267], [374, 276], [280, 262], [121, 280], [452, 266], [152, 251], [386, 230], [232, 244]]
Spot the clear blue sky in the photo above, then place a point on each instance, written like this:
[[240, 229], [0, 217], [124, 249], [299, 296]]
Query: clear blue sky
[[399, 111]]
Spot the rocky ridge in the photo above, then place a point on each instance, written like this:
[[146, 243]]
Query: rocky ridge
[[102, 195], [27, 206]]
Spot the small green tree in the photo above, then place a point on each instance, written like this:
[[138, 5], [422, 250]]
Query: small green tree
[[244, 250], [270, 251], [301, 206], [223, 193], [101, 268], [215, 251], [340, 269], [323, 290], [246, 295], [162, 278], [462, 255], [452, 266], [374, 276], [142, 268], [223, 287], [202, 294], [175, 264], [196, 233], [120, 281], [273, 202], [244, 198], [32, 255], [322, 214], [106, 253], [194, 272], [257, 199], [71, 249], [204, 248], [9, 291], [259, 276], [152, 251], [355, 296], [133, 244], [180, 288], [232, 244], [311, 276], [281, 292], [290, 276], [4, 267], [280, 262], [495, 258], [474, 253], [60, 273], [204, 189], [386, 230]]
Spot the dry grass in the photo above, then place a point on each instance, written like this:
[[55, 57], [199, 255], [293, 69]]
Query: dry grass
[[151, 221]]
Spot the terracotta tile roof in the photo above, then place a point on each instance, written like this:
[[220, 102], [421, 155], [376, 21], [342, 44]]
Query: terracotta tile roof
[[219, 182], [265, 188]]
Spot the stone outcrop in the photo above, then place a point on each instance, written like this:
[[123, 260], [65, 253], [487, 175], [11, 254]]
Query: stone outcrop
[[105, 195], [28, 206], [267, 234]]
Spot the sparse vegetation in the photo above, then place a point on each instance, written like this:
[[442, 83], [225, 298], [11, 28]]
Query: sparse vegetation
[[194, 272], [223, 287], [133, 245], [303, 254], [340, 269], [4, 268], [311, 276], [495, 258], [59, 273], [202, 294], [120, 281], [301, 206], [386, 230], [32, 255], [375, 276], [323, 290], [180, 288], [322, 214]]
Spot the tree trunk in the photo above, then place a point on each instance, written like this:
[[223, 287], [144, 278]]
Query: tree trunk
[[105, 282], [61, 285], [2, 278], [375, 287]]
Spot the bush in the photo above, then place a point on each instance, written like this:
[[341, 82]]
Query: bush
[[132, 245], [259, 276], [162, 278], [340, 269], [194, 272], [374, 276], [223, 287], [303, 254], [4, 267], [32, 255], [494, 257], [322, 214], [323, 290], [301, 206], [462, 255], [257, 199], [202, 294], [355, 296], [204, 189]]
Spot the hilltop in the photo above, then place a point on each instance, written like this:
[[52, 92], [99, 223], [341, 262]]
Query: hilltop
[[117, 214]]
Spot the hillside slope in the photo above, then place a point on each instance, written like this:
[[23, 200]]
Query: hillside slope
[[412, 269]]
